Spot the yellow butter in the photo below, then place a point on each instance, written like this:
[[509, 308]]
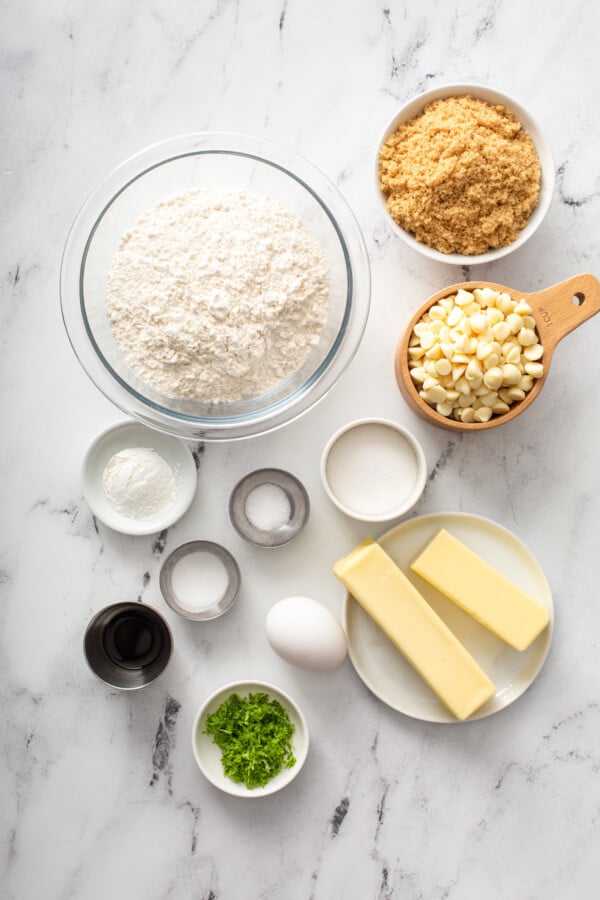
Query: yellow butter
[[482, 591], [387, 595]]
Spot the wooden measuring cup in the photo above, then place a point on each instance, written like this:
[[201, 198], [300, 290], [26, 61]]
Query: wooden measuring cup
[[557, 310]]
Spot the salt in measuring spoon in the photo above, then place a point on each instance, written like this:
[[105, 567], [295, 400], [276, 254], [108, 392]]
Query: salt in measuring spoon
[[259, 503]]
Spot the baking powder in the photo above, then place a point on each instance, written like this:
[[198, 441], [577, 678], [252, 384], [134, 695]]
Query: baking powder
[[139, 483], [217, 295]]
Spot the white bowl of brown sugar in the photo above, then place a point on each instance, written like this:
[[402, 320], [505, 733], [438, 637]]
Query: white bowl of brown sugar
[[464, 174]]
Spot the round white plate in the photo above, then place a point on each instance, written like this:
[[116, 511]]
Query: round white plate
[[133, 434], [208, 755], [385, 671]]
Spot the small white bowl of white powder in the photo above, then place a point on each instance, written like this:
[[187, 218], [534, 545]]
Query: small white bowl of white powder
[[137, 480]]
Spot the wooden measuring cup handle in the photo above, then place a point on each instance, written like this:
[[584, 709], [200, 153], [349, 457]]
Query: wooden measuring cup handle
[[559, 309]]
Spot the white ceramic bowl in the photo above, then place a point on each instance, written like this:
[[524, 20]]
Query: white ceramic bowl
[[208, 755], [413, 108], [132, 434], [358, 458]]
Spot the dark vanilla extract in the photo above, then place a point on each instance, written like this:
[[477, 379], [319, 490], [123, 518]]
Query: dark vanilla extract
[[132, 639]]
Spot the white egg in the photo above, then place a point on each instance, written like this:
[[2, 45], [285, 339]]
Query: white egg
[[305, 633]]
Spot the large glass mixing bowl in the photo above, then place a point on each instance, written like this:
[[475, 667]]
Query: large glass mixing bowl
[[232, 162]]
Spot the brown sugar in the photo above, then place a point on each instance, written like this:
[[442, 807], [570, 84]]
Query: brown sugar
[[462, 177]]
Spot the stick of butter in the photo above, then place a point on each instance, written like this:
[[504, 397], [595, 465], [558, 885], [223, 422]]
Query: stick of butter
[[387, 595], [481, 590]]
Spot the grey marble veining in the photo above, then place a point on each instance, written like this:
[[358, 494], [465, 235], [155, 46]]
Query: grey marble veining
[[101, 795]]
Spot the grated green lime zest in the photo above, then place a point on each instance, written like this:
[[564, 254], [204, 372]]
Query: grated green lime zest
[[254, 734]]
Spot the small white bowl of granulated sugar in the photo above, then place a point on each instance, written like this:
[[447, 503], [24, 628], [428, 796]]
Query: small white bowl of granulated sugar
[[373, 470], [137, 480]]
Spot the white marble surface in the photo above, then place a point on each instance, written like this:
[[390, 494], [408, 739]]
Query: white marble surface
[[101, 795]]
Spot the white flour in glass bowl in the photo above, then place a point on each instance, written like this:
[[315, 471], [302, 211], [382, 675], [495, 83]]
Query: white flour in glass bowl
[[217, 295]]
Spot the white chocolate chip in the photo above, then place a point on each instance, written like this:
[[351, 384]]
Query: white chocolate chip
[[437, 312], [443, 367], [535, 369], [533, 352], [493, 378], [463, 297], [527, 337], [489, 398], [501, 331], [463, 386], [523, 308], [513, 320], [482, 414], [436, 394], [474, 371], [513, 355], [483, 350], [494, 316], [491, 361], [427, 340], [526, 383], [478, 323], [455, 316], [510, 374]]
